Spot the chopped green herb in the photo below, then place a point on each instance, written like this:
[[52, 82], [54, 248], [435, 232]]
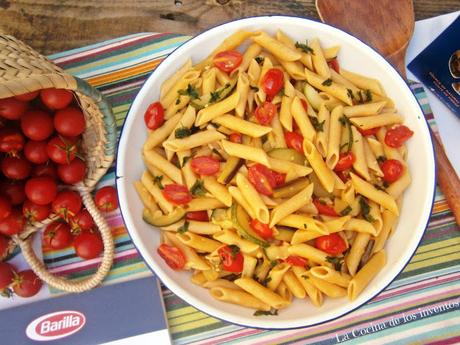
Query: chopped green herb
[[260, 59], [345, 211], [319, 126], [337, 261], [235, 249], [183, 228], [232, 277], [198, 188], [304, 225], [177, 101], [368, 95], [189, 91], [266, 281], [379, 187], [385, 184], [281, 92], [343, 146], [157, 181], [305, 47], [304, 276], [273, 263], [263, 312], [214, 97], [254, 88], [381, 159], [365, 210], [322, 202], [185, 160], [361, 99], [182, 132], [327, 82], [346, 122], [350, 93]]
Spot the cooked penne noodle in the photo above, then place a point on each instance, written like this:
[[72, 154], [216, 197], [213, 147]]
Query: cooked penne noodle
[[328, 86], [330, 275], [366, 274], [246, 152], [278, 49], [329, 289], [158, 136], [294, 285], [253, 198], [193, 260], [364, 109], [308, 252], [363, 82], [230, 237], [383, 119], [312, 291], [217, 190], [319, 61], [192, 141], [357, 148], [242, 126], [304, 222], [200, 228], [238, 297], [288, 207], [214, 110], [335, 129], [261, 292], [197, 242], [324, 174], [275, 276], [300, 116]]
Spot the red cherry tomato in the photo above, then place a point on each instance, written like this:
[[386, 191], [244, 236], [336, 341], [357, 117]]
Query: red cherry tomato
[[48, 169], [280, 178], [331, 244], [261, 229], [41, 190], [177, 194], [368, 132], [205, 165], [294, 140], [154, 116], [88, 245], [57, 235], [265, 113], [16, 168], [295, 260], [324, 209], [200, 216], [62, 150], [67, 204], [106, 199], [35, 151], [173, 256], [397, 136], [227, 61], [12, 109], [346, 160], [272, 81], [37, 125], [4, 248], [73, 172], [56, 98], [34, 212], [392, 170], [26, 97], [232, 259], [26, 284], [69, 122], [236, 138], [7, 273], [83, 220], [334, 64], [11, 141], [343, 175], [13, 224], [304, 104], [5, 207], [13, 191], [261, 178]]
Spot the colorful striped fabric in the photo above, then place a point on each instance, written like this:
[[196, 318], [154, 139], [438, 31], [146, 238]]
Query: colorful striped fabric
[[421, 306]]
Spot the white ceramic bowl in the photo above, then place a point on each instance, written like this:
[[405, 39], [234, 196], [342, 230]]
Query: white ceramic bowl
[[355, 56]]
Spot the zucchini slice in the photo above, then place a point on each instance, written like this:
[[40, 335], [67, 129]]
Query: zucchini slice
[[163, 220], [291, 188], [287, 154], [240, 221], [230, 169]]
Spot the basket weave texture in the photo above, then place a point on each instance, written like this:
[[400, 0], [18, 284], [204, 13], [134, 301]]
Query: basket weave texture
[[24, 70]]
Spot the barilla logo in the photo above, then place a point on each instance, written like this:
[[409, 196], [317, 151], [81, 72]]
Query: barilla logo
[[55, 325]]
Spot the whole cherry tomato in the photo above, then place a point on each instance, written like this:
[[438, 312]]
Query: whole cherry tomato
[[13, 191], [200, 216], [11, 108], [295, 260], [106, 199], [154, 116], [5, 207], [88, 245], [334, 64], [73, 172], [231, 257], [37, 125], [392, 170], [346, 161], [13, 224], [205, 165], [368, 132], [324, 208], [261, 178], [236, 138], [227, 61], [41, 190], [26, 284], [66, 204], [82, 220], [69, 122], [57, 235], [26, 97], [62, 150], [56, 98], [294, 140], [397, 136], [177, 194], [173, 256], [331, 244], [11, 141], [265, 113], [261, 229], [272, 81], [16, 168], [34, 212], [35, 151], [7, 273]]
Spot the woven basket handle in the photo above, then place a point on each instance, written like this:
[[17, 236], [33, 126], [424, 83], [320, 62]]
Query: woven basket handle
[[82, 285]]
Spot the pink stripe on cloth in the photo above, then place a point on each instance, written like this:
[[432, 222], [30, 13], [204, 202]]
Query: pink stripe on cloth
[[454, 340]]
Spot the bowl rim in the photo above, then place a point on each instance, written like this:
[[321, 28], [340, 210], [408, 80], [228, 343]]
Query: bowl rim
[[119, 177]]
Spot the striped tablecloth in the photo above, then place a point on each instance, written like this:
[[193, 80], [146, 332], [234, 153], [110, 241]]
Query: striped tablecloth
[[421, 306]]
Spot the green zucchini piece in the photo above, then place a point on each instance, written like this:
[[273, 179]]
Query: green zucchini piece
[[240, 221], [287, 154], [291, 188], [163, 220], [222, 217], [230, 169], [216, 96]]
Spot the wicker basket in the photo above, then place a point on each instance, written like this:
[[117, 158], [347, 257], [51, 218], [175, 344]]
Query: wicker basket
[[24, 70]]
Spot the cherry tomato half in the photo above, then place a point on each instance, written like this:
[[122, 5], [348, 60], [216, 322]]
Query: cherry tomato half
[[272, 81], [265, 113], [37, 125], [199, 216], [13, 224], [176, 193], [88, 245], [34, 212], [41, 190], [154, 116], [26, 284], [261, 229], [106, 199], [173, 256], [346, 160], [368, 132], [295, 260], [334, 64], [294, 140], [67, 204], [11, 108], [205, 165], [56, 98], [69, 122], [397, 136], [232, 259], [324, 209], [227, 61], [392, 170], [331, 244], [280, 178], [57, 235], [7, 272], [261, 178], [236, 138]]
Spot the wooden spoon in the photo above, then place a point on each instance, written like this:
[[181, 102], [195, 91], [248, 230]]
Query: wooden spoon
[[387, 26]]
